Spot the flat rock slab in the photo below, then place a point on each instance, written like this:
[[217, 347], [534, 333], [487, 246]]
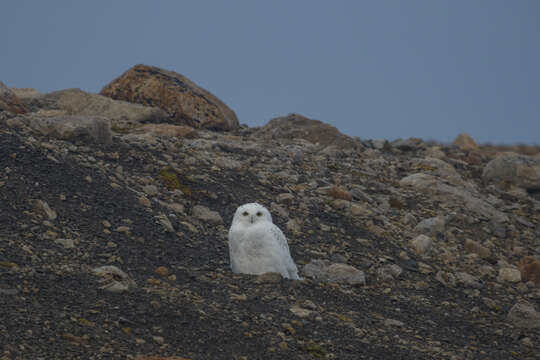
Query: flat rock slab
[[334, 272], [77, 102], [95, 128]]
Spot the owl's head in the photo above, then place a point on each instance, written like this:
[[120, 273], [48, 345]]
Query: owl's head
[[251, 213]]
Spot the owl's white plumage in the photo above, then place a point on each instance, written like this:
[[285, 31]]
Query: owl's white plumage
[[257, 245]]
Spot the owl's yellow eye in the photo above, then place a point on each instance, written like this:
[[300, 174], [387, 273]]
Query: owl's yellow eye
[[245, 213], [259, 213]]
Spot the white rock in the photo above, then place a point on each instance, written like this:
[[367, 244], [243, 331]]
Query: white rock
[[323, 270], [207, 215], [300, 312], [509, 274]]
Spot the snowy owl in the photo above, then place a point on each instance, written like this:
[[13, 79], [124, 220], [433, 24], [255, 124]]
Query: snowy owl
[[257, 246]]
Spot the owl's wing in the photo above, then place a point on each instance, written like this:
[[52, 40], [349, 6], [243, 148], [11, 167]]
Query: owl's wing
[[282, 244], [280, 239]]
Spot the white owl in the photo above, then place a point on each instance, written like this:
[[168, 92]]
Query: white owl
[[257, 246]]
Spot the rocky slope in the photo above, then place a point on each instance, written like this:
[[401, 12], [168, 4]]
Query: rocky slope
[[113, 245]]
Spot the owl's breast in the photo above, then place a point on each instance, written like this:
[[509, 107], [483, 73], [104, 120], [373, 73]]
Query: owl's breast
[[252, 237]]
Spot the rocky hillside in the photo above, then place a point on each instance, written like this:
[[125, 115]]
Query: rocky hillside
[[113, 238]]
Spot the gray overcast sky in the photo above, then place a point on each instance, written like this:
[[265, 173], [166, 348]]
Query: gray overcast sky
[[374, 69]]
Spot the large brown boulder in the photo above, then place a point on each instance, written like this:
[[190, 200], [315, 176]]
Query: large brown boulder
[[296, 126], [530, 269], [184, 101], [9, 101]]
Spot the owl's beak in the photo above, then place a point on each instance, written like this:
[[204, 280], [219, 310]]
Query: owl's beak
[[251, 219]]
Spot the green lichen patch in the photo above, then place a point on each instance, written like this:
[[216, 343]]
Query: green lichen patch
[[169, 178]]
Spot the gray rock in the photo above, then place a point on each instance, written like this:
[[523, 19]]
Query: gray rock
[[323, 270], [388, 272], [167, 130], [435, 152], [439, 168], [432, 226], [295, 126], [524, 315], [520, 170], [268, 278], [473, 247], [226, 163], [294, 226], [446, 278], [455, 195], [393, 322], [44, 208], [300, 312], [113, 279], [419, 180], [122, 114], [284, 197], [379, 144], [95, 128], [143, 200], [151, 190], [207, 215], [421, 244], [497, 228], [509, 274], [468, 280], [164, 221], [9, 292], [66, 243], [279, 210], [408, 145], [26, 93], [176, 207], [356, 209]]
